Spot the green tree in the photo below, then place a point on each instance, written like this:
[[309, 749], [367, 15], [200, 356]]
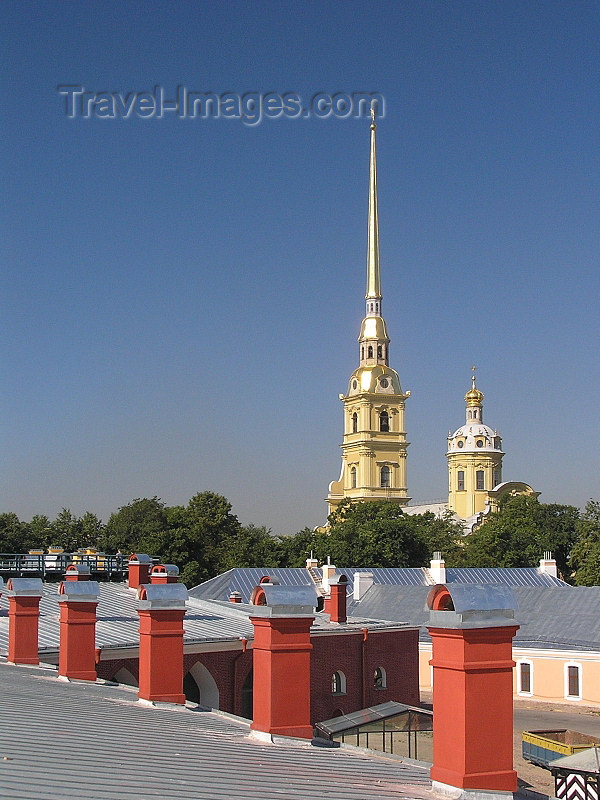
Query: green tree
[[585, 555], [379, 534], [15, 536], [129, 528], [66, 531], [195, 537], [250, 546], [211, 527], [294, 550], [41, 530], [519, 534], [91, 529]]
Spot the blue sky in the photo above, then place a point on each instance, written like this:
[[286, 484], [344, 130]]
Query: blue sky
[[182, 296]]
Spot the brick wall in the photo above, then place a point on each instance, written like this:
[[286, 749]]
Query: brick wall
[[396, 652]]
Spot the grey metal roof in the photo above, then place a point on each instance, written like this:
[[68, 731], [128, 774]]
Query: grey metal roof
[[205, 620], [67, 741], [562, 618], [117, 620], [508, 576], [245, 579]]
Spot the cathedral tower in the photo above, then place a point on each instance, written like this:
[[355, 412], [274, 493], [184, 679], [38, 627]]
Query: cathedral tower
[[474, 459], [374, 445]]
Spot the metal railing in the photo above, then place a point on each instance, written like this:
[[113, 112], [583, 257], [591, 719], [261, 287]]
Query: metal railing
[[47, 565]]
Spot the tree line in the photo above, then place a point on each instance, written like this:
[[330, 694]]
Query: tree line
[[205, 538]]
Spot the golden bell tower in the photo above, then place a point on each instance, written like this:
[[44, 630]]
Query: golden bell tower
[[474, 459], [374, 445]]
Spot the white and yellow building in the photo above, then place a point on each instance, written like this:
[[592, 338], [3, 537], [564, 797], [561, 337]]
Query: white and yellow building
[[374, 444]]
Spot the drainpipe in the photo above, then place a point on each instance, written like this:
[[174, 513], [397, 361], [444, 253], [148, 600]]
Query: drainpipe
[[244, 642], [365, 633]]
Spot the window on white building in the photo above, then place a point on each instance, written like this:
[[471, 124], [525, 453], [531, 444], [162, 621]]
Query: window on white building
[[525, 677], [573, 681]]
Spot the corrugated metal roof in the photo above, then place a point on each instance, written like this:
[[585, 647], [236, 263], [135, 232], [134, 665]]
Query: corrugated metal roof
[[244, 579], [508, 576], [68, 741], [563, 618], [117, 620], [205, 620]]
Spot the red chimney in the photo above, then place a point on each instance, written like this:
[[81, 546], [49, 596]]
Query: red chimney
[[24, 595], [77, 653], [164, 573], [472, 628], [235, 597], [281, 660], [139, 569], [335, 604], [77, 572], [161, 610]]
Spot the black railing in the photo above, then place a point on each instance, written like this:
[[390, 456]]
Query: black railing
[[48, 565]]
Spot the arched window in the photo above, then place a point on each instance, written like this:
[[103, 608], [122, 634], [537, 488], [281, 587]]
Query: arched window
[[362, 352], [353, 478], [354, 422], [379, 351], [460, 483], [379, 677], [384, 421], [385, 477], [480, 479], [338, 683], [370, 352]]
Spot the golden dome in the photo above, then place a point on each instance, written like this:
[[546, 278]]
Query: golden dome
[[474, 397]]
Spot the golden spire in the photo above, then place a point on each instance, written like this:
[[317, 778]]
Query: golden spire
[[373, 276]]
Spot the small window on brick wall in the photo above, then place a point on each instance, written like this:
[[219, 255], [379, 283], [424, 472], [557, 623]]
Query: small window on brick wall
[[338, 683], [379, 678]]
